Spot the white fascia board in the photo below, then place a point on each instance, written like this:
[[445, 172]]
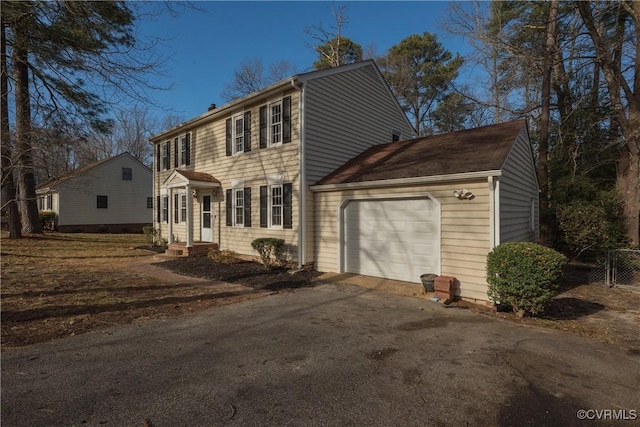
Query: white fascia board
[[405, 181]]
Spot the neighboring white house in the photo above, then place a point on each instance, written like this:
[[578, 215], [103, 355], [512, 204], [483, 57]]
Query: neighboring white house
[[112, 195], [431, 205]]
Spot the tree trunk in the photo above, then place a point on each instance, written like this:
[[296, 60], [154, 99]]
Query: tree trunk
[[545, 118], [8, 184], [628, 177], [26, 177]]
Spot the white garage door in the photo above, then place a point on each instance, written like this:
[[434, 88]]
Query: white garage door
[[392, 238]]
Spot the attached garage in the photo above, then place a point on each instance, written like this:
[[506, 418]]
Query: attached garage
[[431, 205], [396, 238]]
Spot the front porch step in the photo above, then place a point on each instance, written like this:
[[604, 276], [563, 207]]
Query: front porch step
[[199, 249], [174, 252]]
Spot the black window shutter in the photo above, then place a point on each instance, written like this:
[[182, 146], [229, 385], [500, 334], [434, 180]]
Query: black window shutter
[[158, 158], [175, 208], [286, 119], [229, 202], [175, 153], [263, 126], [264, 205], [247, 206], [228, 137], [188, 153], [159, 209], [287, 204], [247, 131]]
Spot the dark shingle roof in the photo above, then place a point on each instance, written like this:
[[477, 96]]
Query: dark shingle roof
[[473, 150]]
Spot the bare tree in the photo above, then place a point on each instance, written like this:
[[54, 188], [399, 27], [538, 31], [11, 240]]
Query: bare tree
[[251, 77], [332, 47]]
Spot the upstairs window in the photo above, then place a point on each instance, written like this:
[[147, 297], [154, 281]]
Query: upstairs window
[[275, 123], [149, 202], [127, 174], [185, 150], [238, 134], [166, 154]]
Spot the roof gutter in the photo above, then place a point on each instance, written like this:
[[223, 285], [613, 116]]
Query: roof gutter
[[405, 181]]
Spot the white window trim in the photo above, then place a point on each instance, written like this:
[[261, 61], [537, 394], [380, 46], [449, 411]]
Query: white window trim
[[182, 209], [234, 134], [270, 206], [270, 132], [163, 198], [235, 192]]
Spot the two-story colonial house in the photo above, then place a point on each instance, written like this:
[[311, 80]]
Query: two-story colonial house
[[243, 170]]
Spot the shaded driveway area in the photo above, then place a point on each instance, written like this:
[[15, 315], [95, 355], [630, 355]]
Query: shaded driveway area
[[331, 355]]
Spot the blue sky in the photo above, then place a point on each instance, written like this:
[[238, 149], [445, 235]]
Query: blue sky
[[206, 46]]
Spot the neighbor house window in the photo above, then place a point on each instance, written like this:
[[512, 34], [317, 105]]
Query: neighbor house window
[[127, 174], [149, 202], [102, 202], [395, 136]]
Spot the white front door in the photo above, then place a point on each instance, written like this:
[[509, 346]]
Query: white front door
[[206, 222]]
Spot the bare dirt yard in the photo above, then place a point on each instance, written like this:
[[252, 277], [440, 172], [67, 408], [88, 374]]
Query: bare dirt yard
[[56, 285]]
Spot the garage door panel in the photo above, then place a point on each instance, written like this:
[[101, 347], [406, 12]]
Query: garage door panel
[[395, 238]]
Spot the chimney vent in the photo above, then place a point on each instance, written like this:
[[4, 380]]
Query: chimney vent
[[212, 107]]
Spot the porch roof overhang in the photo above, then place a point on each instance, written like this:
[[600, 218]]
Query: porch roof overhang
[[183, 178]]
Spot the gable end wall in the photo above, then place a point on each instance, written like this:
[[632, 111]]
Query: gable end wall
[[518, 187]]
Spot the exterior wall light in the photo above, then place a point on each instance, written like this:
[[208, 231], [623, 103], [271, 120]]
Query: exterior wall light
[[463, 194]]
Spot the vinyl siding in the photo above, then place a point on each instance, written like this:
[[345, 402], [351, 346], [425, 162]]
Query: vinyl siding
[[208, 155], [126, 203], [518, 187], [465, 239], [346, 113]]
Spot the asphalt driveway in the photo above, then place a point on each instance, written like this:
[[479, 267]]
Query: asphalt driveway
[[332, 355]]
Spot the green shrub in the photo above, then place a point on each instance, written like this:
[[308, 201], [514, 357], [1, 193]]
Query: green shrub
[[48, 220], [224, 256], [524, 275], [270, 251]]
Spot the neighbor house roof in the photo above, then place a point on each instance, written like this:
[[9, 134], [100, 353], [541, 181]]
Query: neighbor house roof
[[474, 150], [45, 186]]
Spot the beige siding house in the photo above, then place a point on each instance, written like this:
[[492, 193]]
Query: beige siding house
[[242, 171], [112, 195], [432, 205]]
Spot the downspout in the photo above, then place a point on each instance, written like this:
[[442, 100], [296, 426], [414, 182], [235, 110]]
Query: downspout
[[494, 211], [302, 195]]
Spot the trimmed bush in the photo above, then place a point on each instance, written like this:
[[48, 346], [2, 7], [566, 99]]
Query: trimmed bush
[[524, 275], [270, 251], [48, 220], [224, 256]]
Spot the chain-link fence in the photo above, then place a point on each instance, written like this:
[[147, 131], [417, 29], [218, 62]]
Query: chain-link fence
[[619, 267]]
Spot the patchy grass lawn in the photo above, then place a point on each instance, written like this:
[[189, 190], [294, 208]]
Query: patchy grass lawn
[[57, 285]]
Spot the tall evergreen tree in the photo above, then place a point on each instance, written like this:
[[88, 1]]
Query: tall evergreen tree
[[420, 71], [67, 57]]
